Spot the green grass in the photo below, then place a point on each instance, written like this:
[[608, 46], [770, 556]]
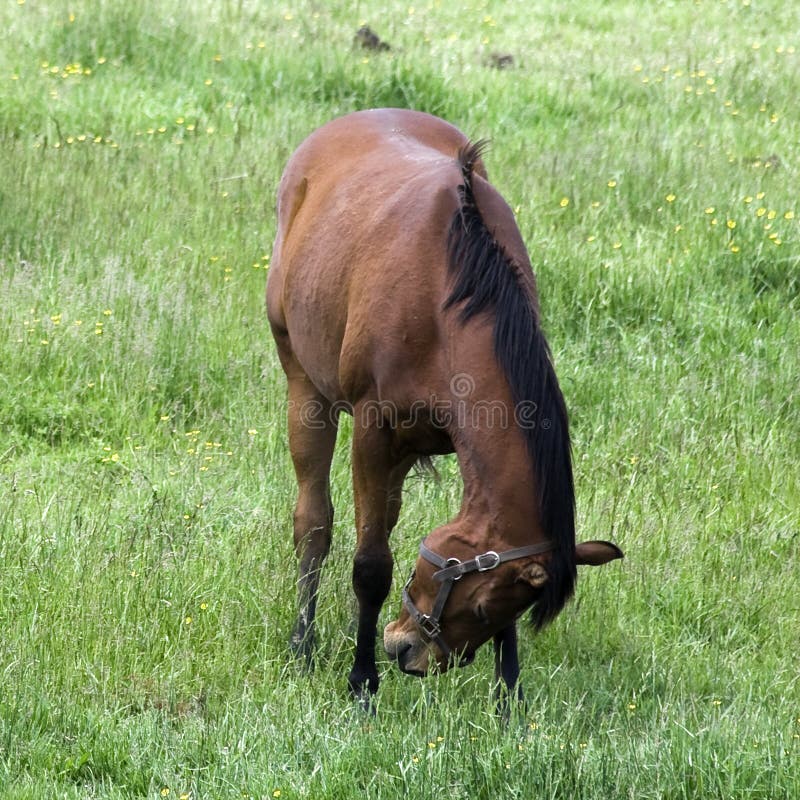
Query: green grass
[[146, 567]]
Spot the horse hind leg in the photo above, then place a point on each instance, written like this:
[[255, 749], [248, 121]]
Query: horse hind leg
[[312, 436]]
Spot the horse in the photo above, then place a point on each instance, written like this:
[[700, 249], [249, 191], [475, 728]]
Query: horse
[[400, 291]]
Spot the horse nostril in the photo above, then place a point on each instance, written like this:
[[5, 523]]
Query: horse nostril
[[400, 654], [403, 655]]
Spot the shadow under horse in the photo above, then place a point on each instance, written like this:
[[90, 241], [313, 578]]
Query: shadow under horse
[[401, 292]]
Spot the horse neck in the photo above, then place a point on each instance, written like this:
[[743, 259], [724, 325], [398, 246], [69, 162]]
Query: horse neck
[[499, 507]]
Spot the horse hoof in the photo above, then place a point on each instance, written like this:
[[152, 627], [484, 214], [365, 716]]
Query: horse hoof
[[302, 648], [511, 704], [366, 703], [364, 691]]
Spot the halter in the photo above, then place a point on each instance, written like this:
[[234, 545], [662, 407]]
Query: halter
[[452, 570]]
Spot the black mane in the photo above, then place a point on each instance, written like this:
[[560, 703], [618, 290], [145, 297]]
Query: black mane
[[486, 280]]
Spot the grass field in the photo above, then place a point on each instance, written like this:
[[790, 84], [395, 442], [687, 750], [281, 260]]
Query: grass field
[[652, 155]]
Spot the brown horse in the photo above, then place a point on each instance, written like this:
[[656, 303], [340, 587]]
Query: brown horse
[[401, 292]]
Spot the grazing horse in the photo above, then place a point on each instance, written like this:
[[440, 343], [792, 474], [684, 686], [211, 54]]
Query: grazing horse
[[401, 292]]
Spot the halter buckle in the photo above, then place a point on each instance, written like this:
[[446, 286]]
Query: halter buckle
[[429, 626], [486, 561]]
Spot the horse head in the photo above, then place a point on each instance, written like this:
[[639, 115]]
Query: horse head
[[452, 606]]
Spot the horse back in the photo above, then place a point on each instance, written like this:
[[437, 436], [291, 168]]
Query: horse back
[[359, 270]]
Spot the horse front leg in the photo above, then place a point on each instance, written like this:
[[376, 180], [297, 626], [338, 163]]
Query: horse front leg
[[506, 669], [372, 564]]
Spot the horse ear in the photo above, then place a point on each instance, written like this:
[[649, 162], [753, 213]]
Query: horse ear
[[534, 574], [596, 553]]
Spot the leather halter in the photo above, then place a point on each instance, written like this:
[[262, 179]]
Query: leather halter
[[452, 570]]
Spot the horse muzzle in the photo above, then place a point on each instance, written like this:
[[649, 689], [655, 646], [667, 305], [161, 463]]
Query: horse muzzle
[[412, 654], [416, 656]]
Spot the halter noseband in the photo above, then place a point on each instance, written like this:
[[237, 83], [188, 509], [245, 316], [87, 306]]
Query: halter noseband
[[450, 571]]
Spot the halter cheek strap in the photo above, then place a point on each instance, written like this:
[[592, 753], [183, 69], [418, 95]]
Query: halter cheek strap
[[451, 570]]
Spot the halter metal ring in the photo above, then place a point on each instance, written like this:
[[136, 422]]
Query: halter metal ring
[[452, 562]]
